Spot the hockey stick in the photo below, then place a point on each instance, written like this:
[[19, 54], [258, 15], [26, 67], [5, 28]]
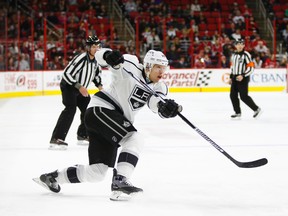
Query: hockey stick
[[250, 164]]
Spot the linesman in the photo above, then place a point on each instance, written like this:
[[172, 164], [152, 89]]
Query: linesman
[[78, 74], [242, 67]]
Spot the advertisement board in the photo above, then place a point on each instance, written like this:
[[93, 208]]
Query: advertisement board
[[178, 80]]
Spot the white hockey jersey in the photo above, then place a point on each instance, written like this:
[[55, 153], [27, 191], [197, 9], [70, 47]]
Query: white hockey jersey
[[125, 91]]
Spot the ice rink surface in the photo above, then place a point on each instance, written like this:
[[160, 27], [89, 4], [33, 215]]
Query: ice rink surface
[[180, 172]]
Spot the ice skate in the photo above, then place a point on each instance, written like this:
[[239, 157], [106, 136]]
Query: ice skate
[[49, 182], [82, 140], [58, 144], [257, 113], [122, 189], [236, 116]]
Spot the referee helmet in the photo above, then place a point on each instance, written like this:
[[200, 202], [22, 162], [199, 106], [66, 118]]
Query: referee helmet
[[92, 40], [237, 41]]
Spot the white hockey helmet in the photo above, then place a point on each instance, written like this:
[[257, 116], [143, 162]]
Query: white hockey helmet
[[153, 57]]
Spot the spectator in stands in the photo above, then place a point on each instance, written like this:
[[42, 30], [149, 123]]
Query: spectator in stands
[[186, 11], [12, 29], [72, 18], [71, 46], [146, 33], [270, 61], [38, 58], [261, 48], [238, 16], [195, 6], [25, 27], [171, 32], [13, 49], [215, 6], [199, 60], [283, 62], [23, 63], [62, 6], [233, 8], [207, 61], [90, 12], [2, 63], [253, 25], [227, 48], [240, 25], [103, 12], [206, 36], [12, 66], [178, 12], [258, 63], [285, 33], [253, 35], [153, 41], [130, 6], [237, 34], [202, 18], [173, 55], [224, 62], [72, 2], [191, 17], [182, 63], [26, 47]]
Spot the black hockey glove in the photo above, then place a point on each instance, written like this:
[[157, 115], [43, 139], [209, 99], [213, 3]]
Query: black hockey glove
[[169, 109], [113, 58]]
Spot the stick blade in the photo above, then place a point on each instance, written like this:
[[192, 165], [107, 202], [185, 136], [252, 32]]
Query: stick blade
[[252, 164]]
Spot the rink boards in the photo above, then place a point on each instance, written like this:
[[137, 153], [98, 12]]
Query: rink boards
[[30, 83]]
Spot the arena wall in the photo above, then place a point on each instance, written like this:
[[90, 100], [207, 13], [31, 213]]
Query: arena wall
[[33, 83]]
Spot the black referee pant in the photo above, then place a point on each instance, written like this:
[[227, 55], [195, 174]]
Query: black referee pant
[[71, 99], [242, 89]]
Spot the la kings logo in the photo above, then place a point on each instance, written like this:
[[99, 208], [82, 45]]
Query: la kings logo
[[138, 97]]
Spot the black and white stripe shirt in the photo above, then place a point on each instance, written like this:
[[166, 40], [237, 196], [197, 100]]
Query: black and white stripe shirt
[[241, 64], [82, 70]]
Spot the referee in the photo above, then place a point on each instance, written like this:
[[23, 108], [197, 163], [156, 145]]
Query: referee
[[242, 67], [78, 74]]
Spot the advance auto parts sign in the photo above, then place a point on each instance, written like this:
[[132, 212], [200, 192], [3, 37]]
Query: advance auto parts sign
[[189, 78]]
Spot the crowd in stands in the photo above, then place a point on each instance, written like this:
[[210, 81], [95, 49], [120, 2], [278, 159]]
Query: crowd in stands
[[72, 19], [205, 28], [278, 10]]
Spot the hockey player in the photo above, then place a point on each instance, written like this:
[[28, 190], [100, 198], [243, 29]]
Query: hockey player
[[109, 122]]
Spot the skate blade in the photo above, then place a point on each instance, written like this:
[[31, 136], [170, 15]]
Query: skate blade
[[82, 142], [57, 147], [38, 181], [236, 119], [120, 196], [260, 113]]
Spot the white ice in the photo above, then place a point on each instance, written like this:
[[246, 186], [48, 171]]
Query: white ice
[[180, 172]]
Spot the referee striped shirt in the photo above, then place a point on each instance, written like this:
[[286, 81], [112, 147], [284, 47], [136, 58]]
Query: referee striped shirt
[[241, 64], [82, 70]]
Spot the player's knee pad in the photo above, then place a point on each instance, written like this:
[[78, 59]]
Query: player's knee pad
[[93, 172], [132, 143]]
